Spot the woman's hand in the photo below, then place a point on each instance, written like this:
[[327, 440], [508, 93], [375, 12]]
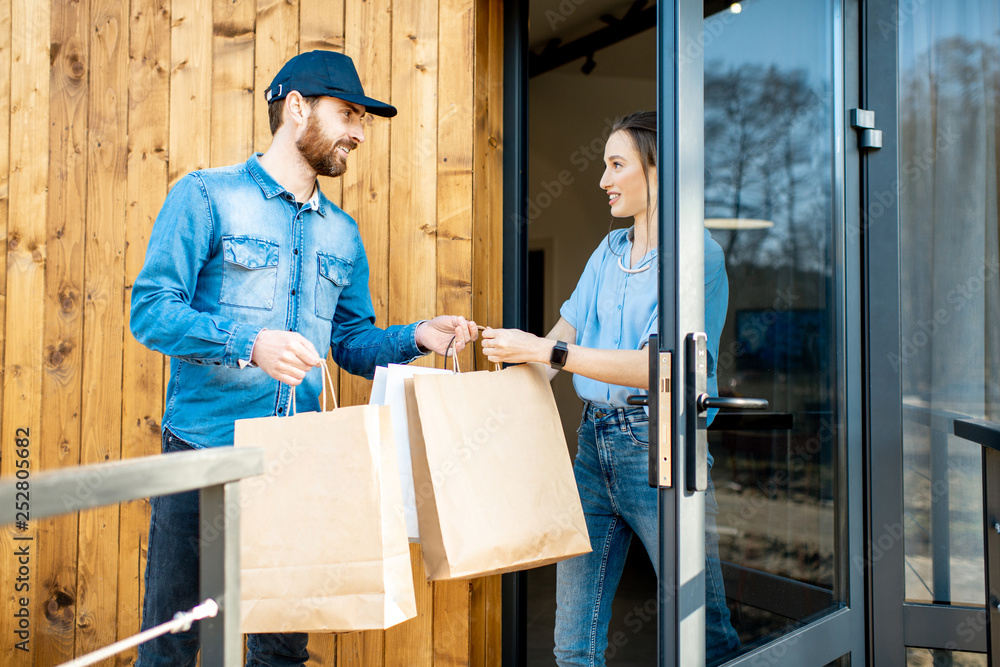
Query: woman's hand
[[513, 346]]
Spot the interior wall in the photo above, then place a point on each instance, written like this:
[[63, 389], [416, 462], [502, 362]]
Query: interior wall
[[570, 115]]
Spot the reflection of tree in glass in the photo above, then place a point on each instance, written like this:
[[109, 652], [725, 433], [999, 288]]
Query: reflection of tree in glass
[[948, 126], [767, 156]]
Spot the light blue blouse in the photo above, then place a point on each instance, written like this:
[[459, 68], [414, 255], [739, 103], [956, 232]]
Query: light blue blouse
[[614, 310]]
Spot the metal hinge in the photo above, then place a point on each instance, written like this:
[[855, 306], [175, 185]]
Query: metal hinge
[[863, 120]]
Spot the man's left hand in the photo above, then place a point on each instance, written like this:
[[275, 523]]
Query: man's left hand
[[436, 334]]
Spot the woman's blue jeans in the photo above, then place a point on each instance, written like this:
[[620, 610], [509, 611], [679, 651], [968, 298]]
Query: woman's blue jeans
[[611, 469], [172, 585]]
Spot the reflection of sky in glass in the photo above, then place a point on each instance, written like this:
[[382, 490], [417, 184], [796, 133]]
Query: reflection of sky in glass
[[938, 22], [735, 38], [768, 139], [925, 25]]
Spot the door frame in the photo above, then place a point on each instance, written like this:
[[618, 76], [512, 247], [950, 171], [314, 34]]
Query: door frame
[[680, 100], [894, 624], [821, 641], [681, 201], [514, 585]]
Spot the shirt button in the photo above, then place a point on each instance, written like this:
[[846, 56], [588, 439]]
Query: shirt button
[[619, 307], [293, 292], [295, 252], [280, 410]]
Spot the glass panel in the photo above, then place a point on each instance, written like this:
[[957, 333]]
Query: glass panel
[[769, 137], [769, 184], [922, 657], [842, 661], [949, 59]]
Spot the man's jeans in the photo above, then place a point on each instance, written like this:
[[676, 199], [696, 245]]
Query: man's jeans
[[172, 585], [611, 473]]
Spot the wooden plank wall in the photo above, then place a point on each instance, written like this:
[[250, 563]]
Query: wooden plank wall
[[107, 104]]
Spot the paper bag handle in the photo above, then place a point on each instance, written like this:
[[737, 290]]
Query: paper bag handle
[[454, 357], [327, 381]]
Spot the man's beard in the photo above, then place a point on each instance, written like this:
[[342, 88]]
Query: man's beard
[[322, 154]]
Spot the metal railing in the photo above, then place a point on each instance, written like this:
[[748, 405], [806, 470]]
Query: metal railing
[[939, 424], [215, 472], [987, 434]]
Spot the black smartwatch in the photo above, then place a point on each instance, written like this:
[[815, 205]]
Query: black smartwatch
[[559, 354]]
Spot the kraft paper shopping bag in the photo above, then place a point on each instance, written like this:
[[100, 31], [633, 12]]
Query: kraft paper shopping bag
[[322, 547], [493, 479]]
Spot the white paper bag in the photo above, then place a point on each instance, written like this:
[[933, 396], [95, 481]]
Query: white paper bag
[[387, 389]]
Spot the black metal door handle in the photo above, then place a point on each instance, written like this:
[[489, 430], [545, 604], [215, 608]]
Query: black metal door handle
[[637, 399], [704, 402]]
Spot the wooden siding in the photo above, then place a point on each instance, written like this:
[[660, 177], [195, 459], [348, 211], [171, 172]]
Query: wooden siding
[[106, 104]]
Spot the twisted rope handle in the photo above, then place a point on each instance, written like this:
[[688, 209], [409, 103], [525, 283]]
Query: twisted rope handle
[[455, 366], [327, 381]]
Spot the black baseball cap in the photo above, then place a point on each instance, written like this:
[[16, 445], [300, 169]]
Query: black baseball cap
[[328, 74]]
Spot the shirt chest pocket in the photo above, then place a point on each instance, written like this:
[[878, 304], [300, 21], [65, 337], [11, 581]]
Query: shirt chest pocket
[[249, 273], [333, 275]]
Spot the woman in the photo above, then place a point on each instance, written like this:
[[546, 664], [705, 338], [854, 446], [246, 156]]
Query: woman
[[607, 323]]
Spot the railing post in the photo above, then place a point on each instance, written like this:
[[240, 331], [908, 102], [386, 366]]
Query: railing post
[[221, 640], [940, 527], [940, 517], [991, 549]]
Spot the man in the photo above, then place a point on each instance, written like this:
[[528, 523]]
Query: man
[[250, 271]]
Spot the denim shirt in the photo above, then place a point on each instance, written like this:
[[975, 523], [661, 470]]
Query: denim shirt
[[233, 253], [614, 310]]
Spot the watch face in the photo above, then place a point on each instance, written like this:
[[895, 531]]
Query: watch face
[[559, 354]]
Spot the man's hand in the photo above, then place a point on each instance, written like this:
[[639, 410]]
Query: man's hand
[[285, 355], [436, 334]]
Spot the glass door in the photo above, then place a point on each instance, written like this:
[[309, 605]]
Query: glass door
[[933, 261], [761, 530]]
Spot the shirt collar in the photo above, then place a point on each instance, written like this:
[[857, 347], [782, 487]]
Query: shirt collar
[[624, 242], [314, 200], [271, 188]]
